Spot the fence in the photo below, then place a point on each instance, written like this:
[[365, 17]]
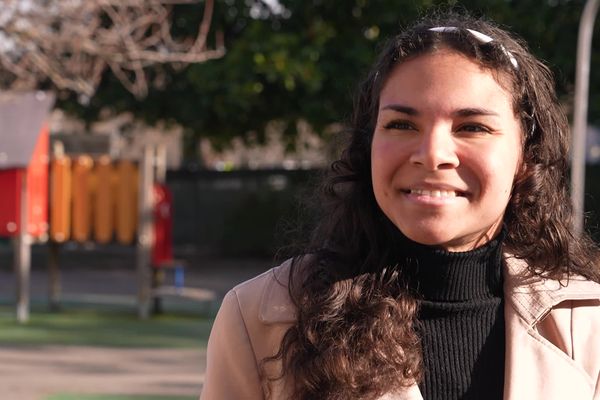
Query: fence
[[236, 213]]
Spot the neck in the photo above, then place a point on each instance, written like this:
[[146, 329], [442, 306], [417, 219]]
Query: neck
[[436, 274]]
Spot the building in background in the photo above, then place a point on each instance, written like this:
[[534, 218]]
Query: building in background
[[122, 137]]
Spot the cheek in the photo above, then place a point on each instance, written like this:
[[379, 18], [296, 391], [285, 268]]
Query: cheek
[[387, 159], [514, 166], [378, 174], [499, 174], [384, 166], [379, 159]]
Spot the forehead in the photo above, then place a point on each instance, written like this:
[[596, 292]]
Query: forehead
[[448, 79]]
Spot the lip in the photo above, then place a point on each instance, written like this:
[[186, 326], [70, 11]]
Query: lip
[[428, 194]]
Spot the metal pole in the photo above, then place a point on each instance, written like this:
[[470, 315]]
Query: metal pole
[[54, 288], [161, 163], [582, 81], [145, 234], [22, 255]]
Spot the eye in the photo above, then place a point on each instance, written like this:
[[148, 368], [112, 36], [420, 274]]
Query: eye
[[399, 125], [474, 128]]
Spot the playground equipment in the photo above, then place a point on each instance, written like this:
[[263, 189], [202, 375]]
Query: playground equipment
[[162, 251], [93, 200], [101, 200], [90, 199], [24, 181]]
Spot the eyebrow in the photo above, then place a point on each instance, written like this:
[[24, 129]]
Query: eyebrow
[[400, 108], [468, 112], [463, 112]]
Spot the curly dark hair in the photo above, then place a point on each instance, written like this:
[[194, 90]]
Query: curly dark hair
[[355, 333]]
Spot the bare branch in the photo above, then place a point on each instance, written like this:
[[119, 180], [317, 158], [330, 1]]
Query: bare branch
[[71, 42]]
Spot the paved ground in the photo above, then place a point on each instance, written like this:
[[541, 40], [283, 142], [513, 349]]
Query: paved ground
[[35, 373], [110, 270], [108, 275]]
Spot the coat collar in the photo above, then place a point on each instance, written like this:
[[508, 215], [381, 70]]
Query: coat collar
[[531, 296]]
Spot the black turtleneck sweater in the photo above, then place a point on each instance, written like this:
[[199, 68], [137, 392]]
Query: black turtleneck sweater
[[461, 320]]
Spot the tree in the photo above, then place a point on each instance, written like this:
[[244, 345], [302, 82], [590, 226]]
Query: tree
[[304, 58], [69, 44]]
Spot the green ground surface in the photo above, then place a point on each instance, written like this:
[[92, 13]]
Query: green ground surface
[[81, 326]]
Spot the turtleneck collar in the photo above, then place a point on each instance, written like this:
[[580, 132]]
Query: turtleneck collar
[[436, 274]]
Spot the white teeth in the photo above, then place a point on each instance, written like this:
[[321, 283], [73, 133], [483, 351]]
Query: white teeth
[[433, 193]]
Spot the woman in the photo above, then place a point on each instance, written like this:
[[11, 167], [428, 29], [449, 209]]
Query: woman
[[443, 265]]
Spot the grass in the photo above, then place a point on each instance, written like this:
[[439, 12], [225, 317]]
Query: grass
[[104, 327], [116, 397]]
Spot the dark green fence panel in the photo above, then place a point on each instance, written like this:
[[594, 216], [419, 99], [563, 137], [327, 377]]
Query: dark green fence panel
[[236, 213]]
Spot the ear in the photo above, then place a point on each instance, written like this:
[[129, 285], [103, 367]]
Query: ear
[[522, 165], [521, 172]]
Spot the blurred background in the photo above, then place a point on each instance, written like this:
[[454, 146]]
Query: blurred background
[[154, 153]]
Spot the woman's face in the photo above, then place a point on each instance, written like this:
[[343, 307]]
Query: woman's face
[[445, 151]]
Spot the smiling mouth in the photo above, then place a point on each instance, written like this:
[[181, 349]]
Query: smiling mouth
[[435, 193]]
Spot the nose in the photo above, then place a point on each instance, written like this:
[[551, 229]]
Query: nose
[[435, 149]]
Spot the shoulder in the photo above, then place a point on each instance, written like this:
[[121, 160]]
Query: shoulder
[[253, 319], [240, 340], [266, 297]]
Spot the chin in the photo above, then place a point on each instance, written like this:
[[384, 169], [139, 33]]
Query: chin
[[444, 240], [426, 238]]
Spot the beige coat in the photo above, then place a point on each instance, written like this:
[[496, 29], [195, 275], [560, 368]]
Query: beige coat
[[552, 338]]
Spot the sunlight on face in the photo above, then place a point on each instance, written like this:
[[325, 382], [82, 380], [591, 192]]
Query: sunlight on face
[[445, 151]]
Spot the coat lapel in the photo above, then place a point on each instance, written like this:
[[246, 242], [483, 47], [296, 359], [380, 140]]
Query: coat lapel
[[535, 367]]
